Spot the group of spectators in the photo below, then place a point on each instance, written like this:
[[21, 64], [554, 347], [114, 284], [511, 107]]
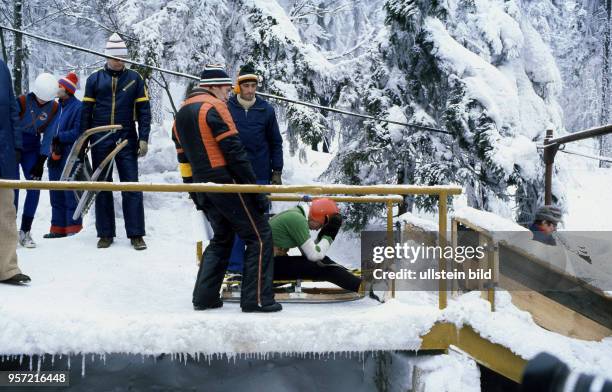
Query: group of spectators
[[220, 137]]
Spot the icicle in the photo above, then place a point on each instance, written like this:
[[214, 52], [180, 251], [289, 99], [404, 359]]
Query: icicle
[[68, 361], [39, 364], [31, 364], [82, 365], [104, 358]]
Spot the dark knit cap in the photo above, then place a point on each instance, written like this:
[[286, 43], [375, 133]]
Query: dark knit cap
[[549, 213], [247, 74], [214, 75]]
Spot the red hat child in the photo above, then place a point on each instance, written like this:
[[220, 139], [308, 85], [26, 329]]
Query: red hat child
[[69, 82]]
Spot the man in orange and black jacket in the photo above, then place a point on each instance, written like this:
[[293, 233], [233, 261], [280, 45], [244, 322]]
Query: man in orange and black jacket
[[209, 150]]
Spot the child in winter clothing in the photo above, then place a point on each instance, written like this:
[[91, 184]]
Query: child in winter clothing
[[65, 131], [37, 111]]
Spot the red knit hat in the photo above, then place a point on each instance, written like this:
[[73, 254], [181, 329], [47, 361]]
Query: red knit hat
[[69, 82]]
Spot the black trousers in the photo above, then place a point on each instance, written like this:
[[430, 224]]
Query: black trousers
[[299, 267], [230, 214]]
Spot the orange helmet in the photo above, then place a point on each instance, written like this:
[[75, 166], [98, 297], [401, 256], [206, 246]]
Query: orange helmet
[[322, 209]]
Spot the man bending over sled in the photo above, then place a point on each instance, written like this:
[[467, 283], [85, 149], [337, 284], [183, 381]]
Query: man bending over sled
[[290, 229]]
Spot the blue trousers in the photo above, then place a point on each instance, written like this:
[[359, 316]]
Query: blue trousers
[[236, 260], [28, 161], [63, 203], [126, 163]]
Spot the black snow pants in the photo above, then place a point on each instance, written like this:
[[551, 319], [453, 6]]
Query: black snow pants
[[299, 267], [230, 214]]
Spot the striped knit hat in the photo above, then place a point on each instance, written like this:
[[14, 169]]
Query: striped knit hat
[[69, 82], [116, 47], [214, 75]]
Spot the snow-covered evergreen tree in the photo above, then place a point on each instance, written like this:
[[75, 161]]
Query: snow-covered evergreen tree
[[475, 68], [484, 71]]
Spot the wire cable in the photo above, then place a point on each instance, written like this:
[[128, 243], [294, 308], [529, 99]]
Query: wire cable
[[193, 77]]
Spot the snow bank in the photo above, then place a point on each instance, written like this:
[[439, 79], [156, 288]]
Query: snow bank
[[516, 329], [412, 219], [487, 220]]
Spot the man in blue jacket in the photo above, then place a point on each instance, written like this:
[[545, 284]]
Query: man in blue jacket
[[10, 149], [117, 95], [65, 131], [259, 132]]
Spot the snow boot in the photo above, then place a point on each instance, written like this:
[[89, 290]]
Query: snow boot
[[216, 304], [275, 307], [138, 243], [54, 235], [17, 279], [25, 239], [105, 242]]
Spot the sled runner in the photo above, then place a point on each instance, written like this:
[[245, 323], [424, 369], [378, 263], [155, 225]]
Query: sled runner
[[106, 166], [292, 291], [78, 166]]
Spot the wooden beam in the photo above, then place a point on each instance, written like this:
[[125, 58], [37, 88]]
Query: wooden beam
[[491, 355], [494, 356], [553, 316]]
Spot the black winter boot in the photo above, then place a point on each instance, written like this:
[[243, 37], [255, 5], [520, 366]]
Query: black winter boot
[[17, 279], [275, 307], [138, 243], [54, 235], [216, 304], [105, 242]]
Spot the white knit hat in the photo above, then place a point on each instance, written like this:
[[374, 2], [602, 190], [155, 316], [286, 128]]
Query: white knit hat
[[116, 47]]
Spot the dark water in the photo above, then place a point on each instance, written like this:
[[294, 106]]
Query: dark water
[[125, 372]]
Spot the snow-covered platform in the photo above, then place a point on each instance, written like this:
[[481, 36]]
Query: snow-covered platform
[[88, 300], [91, 301]]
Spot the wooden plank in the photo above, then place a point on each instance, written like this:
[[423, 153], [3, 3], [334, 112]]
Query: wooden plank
[[494, 356], [560, 287], [553, 316]]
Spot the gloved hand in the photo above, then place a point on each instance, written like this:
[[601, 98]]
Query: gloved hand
[[143, 148], [332, 227], [262, 203], [17, 156], [198, 203], [276, 177], [37, 171], [56, 151]]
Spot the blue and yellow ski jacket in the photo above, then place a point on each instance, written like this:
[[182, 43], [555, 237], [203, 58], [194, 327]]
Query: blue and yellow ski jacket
[[117, 97]]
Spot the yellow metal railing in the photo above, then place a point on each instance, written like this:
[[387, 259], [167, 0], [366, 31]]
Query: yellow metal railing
[[279, 192]]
